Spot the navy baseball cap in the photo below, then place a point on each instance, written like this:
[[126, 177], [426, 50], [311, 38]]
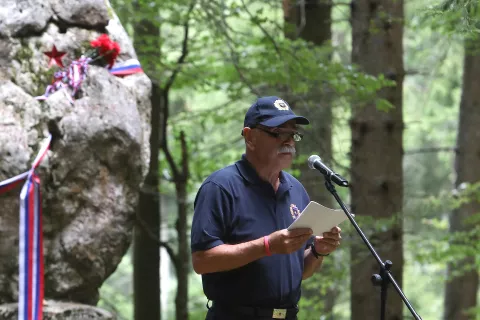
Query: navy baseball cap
[[271, 112]]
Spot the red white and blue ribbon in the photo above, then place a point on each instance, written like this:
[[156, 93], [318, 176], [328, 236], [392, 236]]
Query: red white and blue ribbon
[[125, 68], [30, 253], [11, 183], [77, 72], [60, 80], [30, 280], [71, 77]]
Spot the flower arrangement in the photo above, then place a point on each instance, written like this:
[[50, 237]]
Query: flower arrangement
[[106, 50], [103, 52]]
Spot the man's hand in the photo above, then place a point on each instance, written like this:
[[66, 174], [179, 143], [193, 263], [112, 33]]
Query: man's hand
[[329, 242], [284, 241]]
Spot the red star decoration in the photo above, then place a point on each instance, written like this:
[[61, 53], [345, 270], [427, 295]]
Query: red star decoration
[[55, 57]]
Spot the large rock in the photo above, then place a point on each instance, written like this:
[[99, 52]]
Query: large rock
[[27, 17], [53, 310], [99, 155], [19, 18]]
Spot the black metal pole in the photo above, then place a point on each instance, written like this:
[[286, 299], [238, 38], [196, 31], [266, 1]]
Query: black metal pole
[[385, 276], [382, 280]]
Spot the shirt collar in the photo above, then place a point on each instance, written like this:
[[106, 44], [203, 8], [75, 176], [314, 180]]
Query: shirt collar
[[247, 171]]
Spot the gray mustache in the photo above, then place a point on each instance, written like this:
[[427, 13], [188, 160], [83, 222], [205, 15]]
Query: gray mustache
[[287, 149]]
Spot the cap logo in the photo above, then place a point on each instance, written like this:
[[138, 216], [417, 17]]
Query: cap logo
[[280, 105]]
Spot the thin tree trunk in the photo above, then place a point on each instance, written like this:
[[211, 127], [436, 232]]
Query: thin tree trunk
[[461, 291], [181, 175], [183, 266], [376, 157], [146, 251], [313, 24], [311, 20]]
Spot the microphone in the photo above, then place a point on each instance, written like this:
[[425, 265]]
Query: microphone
[[315, 162]]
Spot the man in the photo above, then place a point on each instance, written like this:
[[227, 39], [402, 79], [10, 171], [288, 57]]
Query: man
[[251, 265]]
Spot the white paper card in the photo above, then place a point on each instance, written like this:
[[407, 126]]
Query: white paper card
[[318, 218]]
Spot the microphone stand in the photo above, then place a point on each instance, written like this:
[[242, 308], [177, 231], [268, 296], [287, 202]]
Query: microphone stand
[[384, 277]]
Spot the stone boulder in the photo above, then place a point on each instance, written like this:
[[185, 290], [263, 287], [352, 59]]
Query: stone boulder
[[99, 153], [53, 310]]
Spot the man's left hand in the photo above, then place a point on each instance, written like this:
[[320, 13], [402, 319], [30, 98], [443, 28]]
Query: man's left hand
[[329, 242]]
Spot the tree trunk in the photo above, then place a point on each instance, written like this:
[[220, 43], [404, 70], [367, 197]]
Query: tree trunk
[[183, 265], [312, 22], [146, 251], [461, 291], [376, 157]]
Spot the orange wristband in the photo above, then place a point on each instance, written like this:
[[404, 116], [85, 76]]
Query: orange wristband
[[267, 246]]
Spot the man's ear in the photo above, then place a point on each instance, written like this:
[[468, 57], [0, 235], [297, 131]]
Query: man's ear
[[250, 138]]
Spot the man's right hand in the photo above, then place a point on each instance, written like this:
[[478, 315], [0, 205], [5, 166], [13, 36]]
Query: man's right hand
[[285, 241]]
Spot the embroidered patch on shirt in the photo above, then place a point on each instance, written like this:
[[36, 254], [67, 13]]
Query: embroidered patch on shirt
[[294, 211]]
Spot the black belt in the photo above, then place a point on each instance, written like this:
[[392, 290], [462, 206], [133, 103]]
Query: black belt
[[274, 313]]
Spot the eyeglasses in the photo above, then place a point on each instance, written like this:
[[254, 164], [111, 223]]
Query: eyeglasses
[[284, 136]]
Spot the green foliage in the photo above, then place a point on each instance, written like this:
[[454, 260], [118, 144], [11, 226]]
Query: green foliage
[[236, 51], [454, 16], [116, 293], [451, 247], [237, 47]]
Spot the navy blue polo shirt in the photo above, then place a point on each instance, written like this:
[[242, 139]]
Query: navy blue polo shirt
[[234, 205]]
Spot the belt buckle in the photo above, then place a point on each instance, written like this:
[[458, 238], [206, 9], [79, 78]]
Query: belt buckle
[[279, 314]]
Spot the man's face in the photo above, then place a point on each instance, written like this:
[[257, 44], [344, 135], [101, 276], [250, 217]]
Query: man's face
[[275, 146]]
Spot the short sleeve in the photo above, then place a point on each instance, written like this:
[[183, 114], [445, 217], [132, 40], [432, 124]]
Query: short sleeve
[[212, 207]]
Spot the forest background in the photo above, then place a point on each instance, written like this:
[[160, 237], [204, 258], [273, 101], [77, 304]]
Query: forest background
[[392, 89]]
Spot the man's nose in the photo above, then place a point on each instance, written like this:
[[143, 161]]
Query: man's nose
[[289, 142]]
